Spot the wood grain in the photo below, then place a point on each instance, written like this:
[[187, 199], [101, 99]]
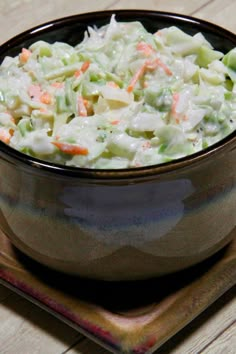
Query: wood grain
[[220, 12], [207, 328], [184, 6], [34, 13], [221, 345], [87, 347], [25, 328]]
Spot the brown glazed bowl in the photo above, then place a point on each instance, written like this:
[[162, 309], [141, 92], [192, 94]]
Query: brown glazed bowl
[[119, 224]]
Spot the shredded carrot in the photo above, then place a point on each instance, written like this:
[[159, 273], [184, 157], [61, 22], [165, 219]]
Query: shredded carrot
[[145, 48], [24, 55], [70, 148], [177, 120], [77, 73], [112, 84], [152, 65], [164, 67], [58, 84], [36, 94], [137, 76], [11, 132], [115, 122], [46, 98], [89, 107], [83, 68], [175, 101], [43, 110], [148, 65], [5, 135], [81, 107]]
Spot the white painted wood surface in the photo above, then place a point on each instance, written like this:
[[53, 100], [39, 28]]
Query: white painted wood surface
[[27, 329]]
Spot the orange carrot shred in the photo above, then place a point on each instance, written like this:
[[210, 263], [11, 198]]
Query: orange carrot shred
[[164, 67], [24, 55], [46, 98], [148, 65], [175, 101], [115, 122], [83, 68], [70, 148], [112, 84], [139, 73], [5, 136], [58, 84], [77, 73], [43, 110], [86, 103], [145, 48], [11, 132], [81, 107], [152, 65]]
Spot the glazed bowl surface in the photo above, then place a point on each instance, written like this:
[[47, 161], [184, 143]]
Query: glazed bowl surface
[[119, 224]]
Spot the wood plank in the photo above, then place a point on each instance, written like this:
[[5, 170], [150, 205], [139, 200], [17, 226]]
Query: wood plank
[[87, 347], [26, 328], [205, 328], [184, 6], [11, 11], [224, 13], [225, 343], [34, 13]]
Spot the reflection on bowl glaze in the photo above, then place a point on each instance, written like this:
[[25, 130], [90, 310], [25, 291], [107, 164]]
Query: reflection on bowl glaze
[[118, 222], [119, 230], [127, 224]]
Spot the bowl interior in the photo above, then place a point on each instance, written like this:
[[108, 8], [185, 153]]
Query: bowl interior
[[71, 29]]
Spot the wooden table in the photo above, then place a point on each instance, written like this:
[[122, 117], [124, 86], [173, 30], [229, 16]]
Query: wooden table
[[27, 329]]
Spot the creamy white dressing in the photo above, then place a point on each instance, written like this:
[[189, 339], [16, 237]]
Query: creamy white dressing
[[121, 98]]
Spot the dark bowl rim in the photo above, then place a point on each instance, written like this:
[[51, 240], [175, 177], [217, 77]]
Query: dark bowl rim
[[226, 144]]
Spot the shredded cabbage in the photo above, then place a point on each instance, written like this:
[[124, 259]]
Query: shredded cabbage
[[121, 98]]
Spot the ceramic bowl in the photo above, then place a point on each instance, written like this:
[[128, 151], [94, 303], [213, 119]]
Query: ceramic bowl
[[119, 224]]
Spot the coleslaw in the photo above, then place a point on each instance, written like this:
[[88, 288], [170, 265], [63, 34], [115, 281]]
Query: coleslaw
[[121, 98]]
